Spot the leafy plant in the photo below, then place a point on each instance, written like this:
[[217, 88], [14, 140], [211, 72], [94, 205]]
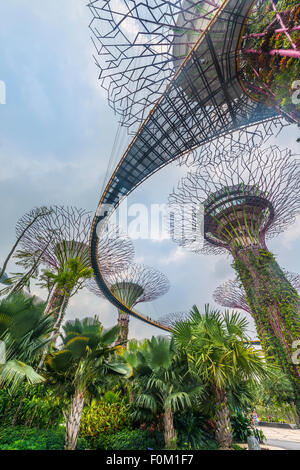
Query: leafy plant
[[103, 417], [21, 438], [241, 426], [81, 366], [131, 440]]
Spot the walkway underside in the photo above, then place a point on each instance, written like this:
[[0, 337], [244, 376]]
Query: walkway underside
[[204, 101]]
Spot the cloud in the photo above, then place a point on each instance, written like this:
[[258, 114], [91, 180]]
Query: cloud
[[292, 234], [178, 255]]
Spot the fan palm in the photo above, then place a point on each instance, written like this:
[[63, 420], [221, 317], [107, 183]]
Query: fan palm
[[65, 282], [85, 359], [163, 383], [23, 331], [219, 354]]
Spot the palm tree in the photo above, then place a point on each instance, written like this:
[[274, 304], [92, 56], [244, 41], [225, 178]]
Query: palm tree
[[66, 282], [218, 352], [163, 383], [23, 331], [85, 359]]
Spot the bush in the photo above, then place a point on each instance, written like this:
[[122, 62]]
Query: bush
[[21, 438], [190, 432], [40, 407], [102, 417], [241, 426], [130, 440]]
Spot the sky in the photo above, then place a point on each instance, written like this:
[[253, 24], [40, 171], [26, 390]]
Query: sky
[[56, 139]]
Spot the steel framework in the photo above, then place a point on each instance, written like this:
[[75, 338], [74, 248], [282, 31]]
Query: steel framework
[[202, 101], [134, 285], [246, 198], [141, 44], [61, 235], [232, 295], [170, 319]]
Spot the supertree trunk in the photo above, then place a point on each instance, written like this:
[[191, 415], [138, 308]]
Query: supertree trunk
[[123, 322], [55, 303], [169, 430], [223, 425], [275, 306], [73, 420]]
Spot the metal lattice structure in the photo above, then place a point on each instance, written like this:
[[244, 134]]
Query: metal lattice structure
[[171, 319], [134, 285], [236, 142], [63, 233], [231, 294], [203, 101], [246, 197], [141, 44], [179, 64]]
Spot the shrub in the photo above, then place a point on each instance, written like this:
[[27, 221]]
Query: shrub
[[190, 432], [241, 426], [21, 438], [102, 417], [130, 440]]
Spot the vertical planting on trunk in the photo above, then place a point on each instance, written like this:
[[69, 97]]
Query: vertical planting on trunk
[[274, 305]]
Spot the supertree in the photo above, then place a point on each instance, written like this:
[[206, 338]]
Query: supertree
[[170, 319], [142, 44], [174, 72], [231, 293], [60, 239], [136, 284], [246, 198]]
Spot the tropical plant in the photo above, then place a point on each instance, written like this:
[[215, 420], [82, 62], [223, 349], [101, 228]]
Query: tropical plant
[[218, 353], [163, 383], [65, 283], [242, 426], [24, 330], [102, 417], [81, 366], [191, 433], [128, 439], [22, 438]]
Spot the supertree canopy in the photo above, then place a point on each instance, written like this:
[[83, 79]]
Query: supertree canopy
[[136, 284], [141, 45], [177, 64], [170, 319], [270, 54], [63, 235], [246, 198], [231, 294]]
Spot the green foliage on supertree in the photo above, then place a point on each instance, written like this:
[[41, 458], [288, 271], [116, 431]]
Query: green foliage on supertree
[[274, 304], [270, 77]]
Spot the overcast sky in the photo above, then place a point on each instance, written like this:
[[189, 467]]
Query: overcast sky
[[56, 137]]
